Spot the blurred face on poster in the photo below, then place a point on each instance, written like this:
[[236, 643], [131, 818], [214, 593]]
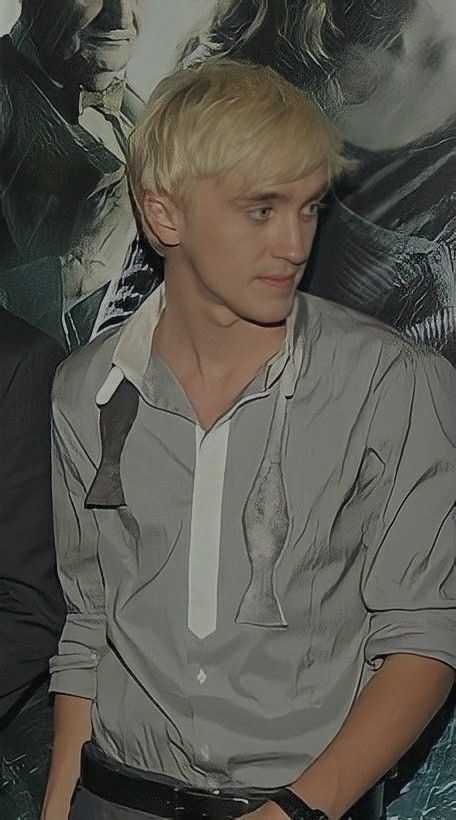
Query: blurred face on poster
[[397, 74], [383, 69], [83, 41]]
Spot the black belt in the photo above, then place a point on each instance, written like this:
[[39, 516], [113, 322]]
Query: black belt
[[170, 798], [158, 794]]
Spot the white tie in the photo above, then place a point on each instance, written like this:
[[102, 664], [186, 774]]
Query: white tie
[[210, 461]]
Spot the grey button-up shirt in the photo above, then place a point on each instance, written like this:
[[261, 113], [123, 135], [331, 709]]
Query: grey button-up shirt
[[230, 591]]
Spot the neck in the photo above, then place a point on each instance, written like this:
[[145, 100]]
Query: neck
[[199, 335]]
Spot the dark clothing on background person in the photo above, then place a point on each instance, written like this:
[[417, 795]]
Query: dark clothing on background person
[[31, 601], [25, 753], [387, 247]]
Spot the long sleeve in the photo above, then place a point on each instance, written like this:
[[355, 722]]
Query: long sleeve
[[31, 602], [83, 640], [409, 582]]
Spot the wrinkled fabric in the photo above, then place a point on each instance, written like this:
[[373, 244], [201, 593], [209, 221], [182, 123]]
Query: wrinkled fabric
[[367, 453]]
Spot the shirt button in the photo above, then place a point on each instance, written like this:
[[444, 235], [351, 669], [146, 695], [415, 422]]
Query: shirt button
[[201, 676]]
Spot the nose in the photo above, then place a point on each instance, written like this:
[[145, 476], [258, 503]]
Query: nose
[[294, 240], [117, 14], [83, 14]]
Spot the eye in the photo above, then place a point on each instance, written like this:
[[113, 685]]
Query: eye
[[312, 208], [261, 214]]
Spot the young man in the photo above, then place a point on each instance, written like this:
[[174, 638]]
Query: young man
[[254, 495]]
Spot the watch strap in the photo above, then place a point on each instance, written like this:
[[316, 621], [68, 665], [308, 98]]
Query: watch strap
[[294, 807]]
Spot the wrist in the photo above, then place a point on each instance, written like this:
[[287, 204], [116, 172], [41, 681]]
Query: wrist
[[294, 806], [57, 799], [55, 808]]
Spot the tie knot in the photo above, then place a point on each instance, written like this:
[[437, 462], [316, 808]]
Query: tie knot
[[109, 100]]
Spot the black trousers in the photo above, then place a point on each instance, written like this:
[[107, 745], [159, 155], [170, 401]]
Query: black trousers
[[87, 805], [106, 783]]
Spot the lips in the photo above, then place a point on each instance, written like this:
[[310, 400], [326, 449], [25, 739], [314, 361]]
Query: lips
[[101, 38], [282, 282], [279, 278], [102, 41]]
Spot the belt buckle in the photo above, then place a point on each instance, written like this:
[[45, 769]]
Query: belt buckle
[[187, 812]]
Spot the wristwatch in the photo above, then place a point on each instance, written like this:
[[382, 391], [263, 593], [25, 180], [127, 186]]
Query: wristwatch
[[294, 807]]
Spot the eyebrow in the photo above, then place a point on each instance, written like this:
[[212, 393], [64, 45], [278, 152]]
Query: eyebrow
[[275, 196]]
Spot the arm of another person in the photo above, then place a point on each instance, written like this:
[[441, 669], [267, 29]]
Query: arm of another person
[[408, 585], [83, 641], [31, 601]]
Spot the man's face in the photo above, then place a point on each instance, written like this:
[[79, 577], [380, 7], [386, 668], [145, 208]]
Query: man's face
[[106, 41], [88, 39], [246, 252]]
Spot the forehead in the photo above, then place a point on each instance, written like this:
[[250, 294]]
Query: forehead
[[229, 194], [241, 184]]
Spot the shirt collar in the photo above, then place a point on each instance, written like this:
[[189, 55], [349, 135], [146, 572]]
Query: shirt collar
[[288, 357], [133, 359]]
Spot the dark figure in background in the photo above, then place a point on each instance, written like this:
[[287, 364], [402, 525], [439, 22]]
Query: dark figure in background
[[31, 602], [388, 246], [65, 113]]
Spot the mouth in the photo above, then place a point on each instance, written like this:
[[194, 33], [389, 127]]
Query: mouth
[[280, 282], [109, 38]]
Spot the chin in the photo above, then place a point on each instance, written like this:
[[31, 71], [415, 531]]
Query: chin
[[107, 61], [270, 314]]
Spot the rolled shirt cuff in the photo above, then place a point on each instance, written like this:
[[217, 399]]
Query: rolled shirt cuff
[[79, 682], [427, 632], [81, 647]]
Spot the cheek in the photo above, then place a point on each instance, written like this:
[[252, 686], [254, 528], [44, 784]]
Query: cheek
[[308, 232], [137, 16], [218, 233]]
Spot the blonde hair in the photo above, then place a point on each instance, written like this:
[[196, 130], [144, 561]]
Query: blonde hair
[[203, 121]]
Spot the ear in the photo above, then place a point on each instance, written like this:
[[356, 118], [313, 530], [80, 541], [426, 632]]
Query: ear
[[160, 217]]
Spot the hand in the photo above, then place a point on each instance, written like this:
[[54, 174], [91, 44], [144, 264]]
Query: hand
[[270, 811]]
